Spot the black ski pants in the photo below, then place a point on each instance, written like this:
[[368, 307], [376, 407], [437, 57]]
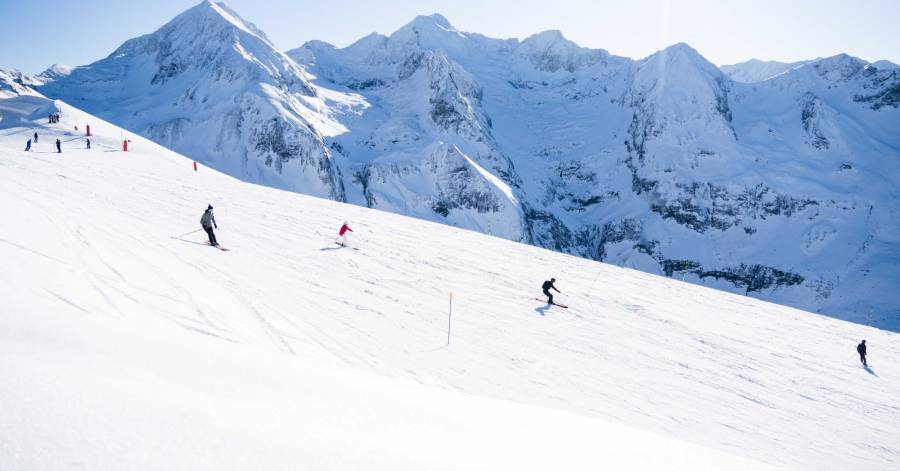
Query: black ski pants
[[549, 296], [211, 234]]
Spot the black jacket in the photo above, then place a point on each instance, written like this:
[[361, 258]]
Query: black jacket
[[548, 285], [861, 348]]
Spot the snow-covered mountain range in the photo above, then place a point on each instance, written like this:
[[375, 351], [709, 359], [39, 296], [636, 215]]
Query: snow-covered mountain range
[[783, 188]]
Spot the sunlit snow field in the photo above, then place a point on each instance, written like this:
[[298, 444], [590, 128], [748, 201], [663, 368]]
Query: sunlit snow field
[[126, 343]]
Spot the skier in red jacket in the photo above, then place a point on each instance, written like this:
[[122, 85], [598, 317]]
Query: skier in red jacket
[[342, 234]]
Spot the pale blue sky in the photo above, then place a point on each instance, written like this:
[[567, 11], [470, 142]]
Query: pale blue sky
[[35, 34]]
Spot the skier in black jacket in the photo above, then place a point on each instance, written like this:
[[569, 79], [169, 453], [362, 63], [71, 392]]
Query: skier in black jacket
[[547, 286], [861, 349]]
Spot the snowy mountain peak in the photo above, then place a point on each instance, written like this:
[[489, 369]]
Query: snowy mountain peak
[[433, 27], [682, 52], [839, 67], [550, 51], [679, 68], [430, 32], [210, 73], [755, 70], [675, 92], [218, 11], [54, 72], [434, 20], [547, 37]]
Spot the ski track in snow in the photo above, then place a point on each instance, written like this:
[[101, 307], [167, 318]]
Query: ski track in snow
[[736, 374]]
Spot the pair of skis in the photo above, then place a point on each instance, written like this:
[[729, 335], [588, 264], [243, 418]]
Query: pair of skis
[[223, 249], [555, 304]]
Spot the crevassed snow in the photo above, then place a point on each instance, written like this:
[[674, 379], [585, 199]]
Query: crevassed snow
[[127, 343]]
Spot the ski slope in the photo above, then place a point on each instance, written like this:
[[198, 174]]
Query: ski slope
[[127, 345]]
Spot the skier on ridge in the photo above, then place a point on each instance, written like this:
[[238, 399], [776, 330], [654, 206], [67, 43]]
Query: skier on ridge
[[342, 234], [28, 145], [208, 221], [58, 147], [861, 349], [35, 137], [547, 286]]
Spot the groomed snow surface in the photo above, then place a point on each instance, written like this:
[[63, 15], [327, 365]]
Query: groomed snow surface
[[127, 345]]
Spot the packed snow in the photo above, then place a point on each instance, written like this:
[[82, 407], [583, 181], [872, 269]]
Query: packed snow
[[129, 344]]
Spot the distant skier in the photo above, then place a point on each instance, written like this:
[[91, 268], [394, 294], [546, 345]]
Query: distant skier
[[88, 143], [35, 137], [547, 286], [861, 349], [208, 221], [28, 145], [342, 234], [58, 147]]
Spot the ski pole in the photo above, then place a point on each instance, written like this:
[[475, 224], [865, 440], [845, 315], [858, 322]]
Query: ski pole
[[189, 233]]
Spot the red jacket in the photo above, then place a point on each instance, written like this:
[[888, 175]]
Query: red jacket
[[344, 229]]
